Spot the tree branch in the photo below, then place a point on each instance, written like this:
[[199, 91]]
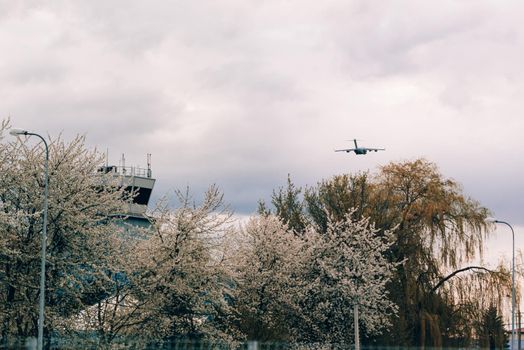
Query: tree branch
[[456, 272]]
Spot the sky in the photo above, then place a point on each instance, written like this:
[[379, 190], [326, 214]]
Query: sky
[[241, 93]]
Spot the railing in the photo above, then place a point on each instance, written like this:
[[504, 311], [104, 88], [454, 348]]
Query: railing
[[132, 343], [125, 170], [135, 343]]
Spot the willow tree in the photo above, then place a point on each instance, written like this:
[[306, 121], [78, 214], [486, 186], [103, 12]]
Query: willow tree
[[438, 231]]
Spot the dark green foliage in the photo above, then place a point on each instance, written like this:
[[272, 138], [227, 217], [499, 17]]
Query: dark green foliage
[[337, 197], [289, 207], [491, 330]]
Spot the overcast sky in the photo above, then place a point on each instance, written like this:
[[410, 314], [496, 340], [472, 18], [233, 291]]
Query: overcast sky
[[240, 93]]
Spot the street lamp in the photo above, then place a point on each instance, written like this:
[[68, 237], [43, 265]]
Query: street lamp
[[357, 335], [512, 281], [19, 132]]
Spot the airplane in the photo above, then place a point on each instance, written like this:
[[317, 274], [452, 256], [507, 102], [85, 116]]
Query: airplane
[[359, 150]]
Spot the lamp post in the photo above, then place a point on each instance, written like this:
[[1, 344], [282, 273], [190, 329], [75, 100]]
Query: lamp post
[[512, 281], [18, 132], [357, 335]]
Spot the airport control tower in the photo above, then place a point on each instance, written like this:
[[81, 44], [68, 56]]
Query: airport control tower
[[138, 181]]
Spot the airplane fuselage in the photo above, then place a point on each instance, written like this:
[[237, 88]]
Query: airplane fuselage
[[359, 150]]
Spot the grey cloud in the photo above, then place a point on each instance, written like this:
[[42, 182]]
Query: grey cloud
[[111, 113], [242, 186], [242, 93], [249, 81], [189, 23], [378, 38], [35, 72]]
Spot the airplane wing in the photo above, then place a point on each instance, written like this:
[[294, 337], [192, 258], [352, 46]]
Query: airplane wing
[[345, 150], [375, 149]]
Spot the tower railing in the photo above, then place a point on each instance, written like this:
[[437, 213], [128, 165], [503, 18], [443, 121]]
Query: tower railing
[[125, 171]]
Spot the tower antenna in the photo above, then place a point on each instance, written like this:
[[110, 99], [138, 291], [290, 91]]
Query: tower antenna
[[149, 165]]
